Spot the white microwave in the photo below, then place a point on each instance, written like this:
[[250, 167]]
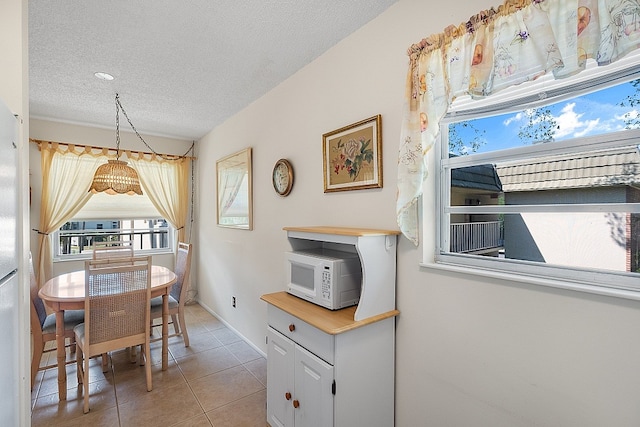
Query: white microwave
[[329, 278]]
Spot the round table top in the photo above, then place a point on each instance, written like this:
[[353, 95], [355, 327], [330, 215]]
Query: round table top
[[69, 287]]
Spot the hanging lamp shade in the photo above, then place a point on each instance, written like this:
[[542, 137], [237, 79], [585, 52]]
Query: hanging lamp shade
[[116, 177]]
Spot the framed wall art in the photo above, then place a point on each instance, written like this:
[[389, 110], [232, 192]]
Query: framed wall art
[[352, 156], [235, 190]]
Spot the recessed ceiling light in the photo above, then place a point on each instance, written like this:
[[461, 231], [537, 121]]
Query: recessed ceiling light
[[103, 76]]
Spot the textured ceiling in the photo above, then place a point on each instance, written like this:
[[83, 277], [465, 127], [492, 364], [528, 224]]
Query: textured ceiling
[[181, 67]]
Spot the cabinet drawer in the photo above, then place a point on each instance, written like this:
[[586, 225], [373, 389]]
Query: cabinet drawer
[[313, 339]]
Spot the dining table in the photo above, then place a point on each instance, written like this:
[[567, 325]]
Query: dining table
[[67, 292]]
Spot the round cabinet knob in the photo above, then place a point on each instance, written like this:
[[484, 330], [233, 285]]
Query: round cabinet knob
[[287, 396], [296, 404], [292, 327]]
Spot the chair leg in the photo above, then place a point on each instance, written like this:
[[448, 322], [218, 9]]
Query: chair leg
[[85, 409], [176, 327], [79, 362], [143, 355], [147, 351], [105, 362], [183, 328], [38, 348], [72, 345]]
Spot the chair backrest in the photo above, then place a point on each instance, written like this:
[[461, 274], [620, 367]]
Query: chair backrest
[[112, 249], [117, 300], [183, 267], [110, 262], [38, 310]]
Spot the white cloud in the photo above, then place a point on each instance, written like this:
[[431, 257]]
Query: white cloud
[[573, 124], [518, 117], [570, 123], [591, 125], [633, 116]]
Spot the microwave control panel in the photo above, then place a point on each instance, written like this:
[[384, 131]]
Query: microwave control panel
[[326, 283]]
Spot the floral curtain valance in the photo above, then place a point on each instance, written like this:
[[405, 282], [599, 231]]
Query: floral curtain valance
[[495, 49]]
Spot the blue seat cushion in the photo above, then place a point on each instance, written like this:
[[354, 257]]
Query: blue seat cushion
[[79, 331], [156, 304], [71, 319]]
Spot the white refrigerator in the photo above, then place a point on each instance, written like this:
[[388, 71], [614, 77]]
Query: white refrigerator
[[9, 278]]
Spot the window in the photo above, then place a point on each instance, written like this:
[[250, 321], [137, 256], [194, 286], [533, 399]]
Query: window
[[544, 181], [114, 218]]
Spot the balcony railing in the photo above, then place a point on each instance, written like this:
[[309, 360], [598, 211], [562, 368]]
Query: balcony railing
[[476, 236], [82, 241]]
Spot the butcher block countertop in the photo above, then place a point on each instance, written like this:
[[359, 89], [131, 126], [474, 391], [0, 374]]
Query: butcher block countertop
[[330, 321]]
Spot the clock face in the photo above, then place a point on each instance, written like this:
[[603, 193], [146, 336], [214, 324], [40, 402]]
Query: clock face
[[282, 177]]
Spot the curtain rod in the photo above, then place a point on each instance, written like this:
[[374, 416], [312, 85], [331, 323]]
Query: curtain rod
[[94, 147]]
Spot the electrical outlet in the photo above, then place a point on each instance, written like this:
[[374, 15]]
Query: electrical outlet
[[233, 302]]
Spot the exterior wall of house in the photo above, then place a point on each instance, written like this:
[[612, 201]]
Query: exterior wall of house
[[590, 240], [633, 230], [470, 197]]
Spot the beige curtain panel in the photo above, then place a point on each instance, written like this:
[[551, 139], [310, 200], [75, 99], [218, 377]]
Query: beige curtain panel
[[166, 183], [496, 49], [67, 172]]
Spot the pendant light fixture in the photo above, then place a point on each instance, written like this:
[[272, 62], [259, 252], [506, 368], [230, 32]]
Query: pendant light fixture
[[115, 176]]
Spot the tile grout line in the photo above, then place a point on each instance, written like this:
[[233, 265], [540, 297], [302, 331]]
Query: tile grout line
[[115, 389]]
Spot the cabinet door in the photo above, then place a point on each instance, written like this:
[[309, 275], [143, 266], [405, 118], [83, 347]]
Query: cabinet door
[[280, 371], [313, 390]]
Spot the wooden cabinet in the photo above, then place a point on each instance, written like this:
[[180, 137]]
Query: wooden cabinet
[[335, 368], [324, 378], [298, 376]]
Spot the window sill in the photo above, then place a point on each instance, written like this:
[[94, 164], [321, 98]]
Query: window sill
[[531, 280]]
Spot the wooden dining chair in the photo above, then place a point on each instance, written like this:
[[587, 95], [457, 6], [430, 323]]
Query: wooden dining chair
[[112, 249], [113, 259], [117, 315], [43, 327], [178, 295]]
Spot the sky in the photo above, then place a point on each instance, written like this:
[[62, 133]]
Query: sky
[[591, 114]]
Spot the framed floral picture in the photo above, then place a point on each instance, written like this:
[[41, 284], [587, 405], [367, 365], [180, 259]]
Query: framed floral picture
[[352, 156]]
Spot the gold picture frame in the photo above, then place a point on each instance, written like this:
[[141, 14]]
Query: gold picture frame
[[234, 190], [352, 156]]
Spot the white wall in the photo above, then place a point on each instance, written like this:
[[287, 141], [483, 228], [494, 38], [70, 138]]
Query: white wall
[[469, 351], [83, 135]]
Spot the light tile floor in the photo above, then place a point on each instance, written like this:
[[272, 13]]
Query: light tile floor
[[219, 380]]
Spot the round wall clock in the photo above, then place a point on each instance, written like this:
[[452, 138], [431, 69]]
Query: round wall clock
[[282, 177]]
